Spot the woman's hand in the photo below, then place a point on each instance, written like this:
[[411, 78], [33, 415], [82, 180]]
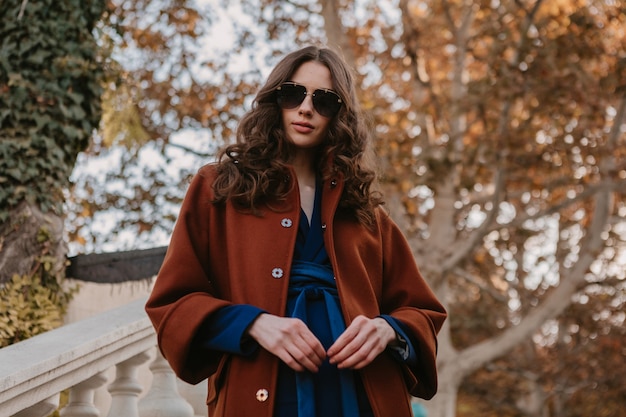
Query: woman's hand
[[289, 339], [361, 343]]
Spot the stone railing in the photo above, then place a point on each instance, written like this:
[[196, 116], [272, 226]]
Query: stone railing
[[76, 359]]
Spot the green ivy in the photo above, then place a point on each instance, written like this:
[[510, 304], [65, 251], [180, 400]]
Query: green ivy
[[50, 88]]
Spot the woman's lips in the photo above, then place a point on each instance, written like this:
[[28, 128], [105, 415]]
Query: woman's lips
[[302, 127]]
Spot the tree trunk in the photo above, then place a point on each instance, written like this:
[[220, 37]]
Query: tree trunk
[[444, 403], [27, 237], [54, 107]]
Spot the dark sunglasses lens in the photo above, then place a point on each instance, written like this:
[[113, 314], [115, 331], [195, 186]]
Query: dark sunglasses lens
[[290, 95], [326, 103]]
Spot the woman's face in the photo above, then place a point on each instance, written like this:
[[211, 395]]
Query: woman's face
[[304, 126]]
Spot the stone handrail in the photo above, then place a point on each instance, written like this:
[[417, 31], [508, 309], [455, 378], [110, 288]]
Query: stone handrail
[[33, 372]]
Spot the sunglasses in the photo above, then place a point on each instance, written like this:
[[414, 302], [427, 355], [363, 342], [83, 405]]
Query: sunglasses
[[326, 102]]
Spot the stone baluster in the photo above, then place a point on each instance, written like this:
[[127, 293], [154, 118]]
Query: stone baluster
[[80, 402], [163, 399], [41, 409], [125, 389]]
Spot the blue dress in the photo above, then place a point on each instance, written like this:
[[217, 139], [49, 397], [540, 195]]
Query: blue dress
[[313, 298]]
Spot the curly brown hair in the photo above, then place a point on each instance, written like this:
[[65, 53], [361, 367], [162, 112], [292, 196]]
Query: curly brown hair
[[252, 171]]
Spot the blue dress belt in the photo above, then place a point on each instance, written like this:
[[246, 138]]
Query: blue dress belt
[[312, 281]]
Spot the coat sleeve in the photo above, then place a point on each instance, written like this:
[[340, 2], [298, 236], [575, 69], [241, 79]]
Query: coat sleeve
[[408, 298], [183, 296]]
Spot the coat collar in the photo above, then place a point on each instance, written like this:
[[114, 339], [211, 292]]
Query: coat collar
[[331, 192]]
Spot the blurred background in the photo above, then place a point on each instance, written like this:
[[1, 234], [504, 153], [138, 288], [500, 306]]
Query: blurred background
[[499, 126]]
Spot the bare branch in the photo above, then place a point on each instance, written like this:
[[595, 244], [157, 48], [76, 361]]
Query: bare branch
[[589, 191], [463, 247], [618, 122], [466, 23], [410, 37], [449, 18], [553, 305], [190, 150], [333, 28], [22, 8], [470, 278]]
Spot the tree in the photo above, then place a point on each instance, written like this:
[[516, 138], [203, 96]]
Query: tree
[[500, 126], [155, 105], [514, 138], [49, 106]]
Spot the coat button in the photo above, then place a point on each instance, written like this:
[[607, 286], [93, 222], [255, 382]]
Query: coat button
[[333, 183], [286, 222], [262, 395], [324, 227], [277, 273]]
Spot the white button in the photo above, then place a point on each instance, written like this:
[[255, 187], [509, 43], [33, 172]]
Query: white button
[[262, 395], [286, 222], [277, 272]]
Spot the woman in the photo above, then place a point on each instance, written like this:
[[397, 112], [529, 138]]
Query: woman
[[285, 283]]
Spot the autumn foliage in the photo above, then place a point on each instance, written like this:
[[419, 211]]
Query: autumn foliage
[[500, 130]]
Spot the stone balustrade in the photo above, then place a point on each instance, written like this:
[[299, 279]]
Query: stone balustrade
[[75, 358]]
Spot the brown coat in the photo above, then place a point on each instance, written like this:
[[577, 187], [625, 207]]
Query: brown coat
[[218, 256]]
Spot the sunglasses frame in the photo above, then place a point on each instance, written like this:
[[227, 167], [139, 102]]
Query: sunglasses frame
[[317, 95]]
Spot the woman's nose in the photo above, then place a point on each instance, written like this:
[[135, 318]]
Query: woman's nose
[[307, 105]]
